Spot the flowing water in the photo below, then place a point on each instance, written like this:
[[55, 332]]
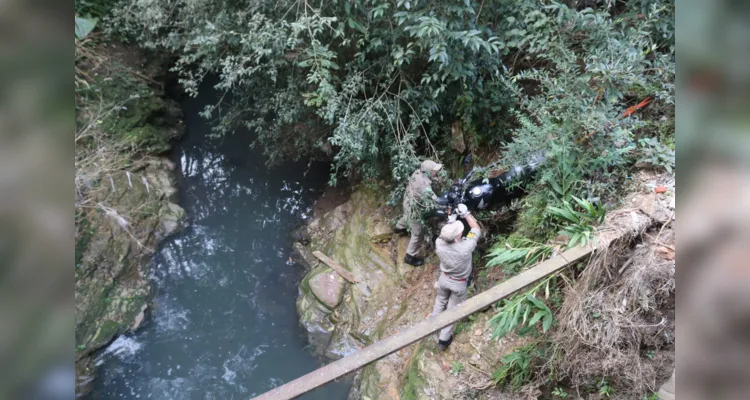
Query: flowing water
[[224, 324]]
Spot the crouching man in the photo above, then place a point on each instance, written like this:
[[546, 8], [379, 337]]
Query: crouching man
[[454, 252]]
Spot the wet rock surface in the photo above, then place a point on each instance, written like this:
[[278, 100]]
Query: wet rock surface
[[113, 249], [328, 288], [111, 292], [303, 256], [389, 297], [344, 235]]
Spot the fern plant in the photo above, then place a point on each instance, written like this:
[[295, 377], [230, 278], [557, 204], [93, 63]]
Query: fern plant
[[524, 311], [579, 227], [517, 367], [515, 254], [563, 181]]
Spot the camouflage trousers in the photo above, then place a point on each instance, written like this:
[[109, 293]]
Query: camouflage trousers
[[416, 235]]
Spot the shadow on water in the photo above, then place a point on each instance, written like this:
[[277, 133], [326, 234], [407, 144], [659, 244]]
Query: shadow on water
[[224, 323]]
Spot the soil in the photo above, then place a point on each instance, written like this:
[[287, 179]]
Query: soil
[[331, 198]]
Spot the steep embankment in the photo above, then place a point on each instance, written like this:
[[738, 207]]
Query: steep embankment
[[125, 193], [341, 318], [390, 296]]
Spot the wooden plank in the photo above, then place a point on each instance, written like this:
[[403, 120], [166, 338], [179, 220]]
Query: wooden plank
[[336, 267], [424, 328]]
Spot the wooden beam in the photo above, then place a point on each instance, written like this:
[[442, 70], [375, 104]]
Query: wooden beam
[[424, 328], [336, 267]]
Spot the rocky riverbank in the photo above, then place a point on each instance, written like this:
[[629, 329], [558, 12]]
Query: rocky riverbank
[[341, 318], [121, 213]]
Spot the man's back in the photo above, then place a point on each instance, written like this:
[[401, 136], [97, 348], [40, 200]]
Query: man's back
[[455, 258], [418, 183]]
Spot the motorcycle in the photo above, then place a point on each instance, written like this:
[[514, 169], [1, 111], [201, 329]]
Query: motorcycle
[[500, 190], [480, 194]]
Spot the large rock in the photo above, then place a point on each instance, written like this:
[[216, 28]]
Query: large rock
[[171, 219], [328, 288], [313, 313], [314, 317]]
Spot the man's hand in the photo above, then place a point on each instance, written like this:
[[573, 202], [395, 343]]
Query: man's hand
[[462, 210], [452, 218]]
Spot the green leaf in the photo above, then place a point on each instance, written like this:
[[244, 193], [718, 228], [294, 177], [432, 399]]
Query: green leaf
[[556, 187], [538, 303], [547, 323], [503, 319], [516, 316], [574, 240], [563, 213], [526, 314], [84, 26], [500, 332], [537, 317], [583, 203], [356, 25]]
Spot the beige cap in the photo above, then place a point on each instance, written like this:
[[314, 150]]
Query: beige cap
[[429, 165], [451, 231]]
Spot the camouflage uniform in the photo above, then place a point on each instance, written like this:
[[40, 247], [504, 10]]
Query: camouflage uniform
[[419, 186]]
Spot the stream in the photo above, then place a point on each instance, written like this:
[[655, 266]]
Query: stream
[[223, 323]]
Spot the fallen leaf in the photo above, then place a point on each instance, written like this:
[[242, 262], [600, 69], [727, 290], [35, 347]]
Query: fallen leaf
[[665, 253], [660, 189]]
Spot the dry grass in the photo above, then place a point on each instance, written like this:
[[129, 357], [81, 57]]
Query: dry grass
[[617, 320], [98, 153]]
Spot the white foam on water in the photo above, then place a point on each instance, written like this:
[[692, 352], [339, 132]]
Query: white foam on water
[[229, 375], [123, 347]]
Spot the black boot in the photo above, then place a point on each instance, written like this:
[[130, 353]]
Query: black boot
[[443, 344], [413, 261]]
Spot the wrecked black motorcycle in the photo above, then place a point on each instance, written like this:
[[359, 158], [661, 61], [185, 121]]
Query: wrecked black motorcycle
[[482, 193]]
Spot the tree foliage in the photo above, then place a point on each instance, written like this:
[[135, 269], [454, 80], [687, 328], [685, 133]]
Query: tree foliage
[[382, 81]]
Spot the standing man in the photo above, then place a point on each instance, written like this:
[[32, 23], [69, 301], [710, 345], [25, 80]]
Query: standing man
[[455, 266], [418, 192]]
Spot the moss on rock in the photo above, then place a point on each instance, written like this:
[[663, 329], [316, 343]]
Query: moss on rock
[[413, 388], [127, 211]]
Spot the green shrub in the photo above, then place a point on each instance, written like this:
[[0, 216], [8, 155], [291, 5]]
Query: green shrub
[[578, 226], [653, 152], [517, 253], [517, 368], [383, 83], [523, 311]]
